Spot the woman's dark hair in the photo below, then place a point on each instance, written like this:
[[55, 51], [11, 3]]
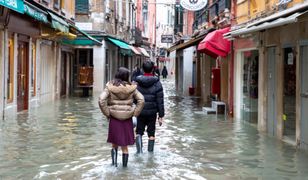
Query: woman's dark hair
[[147, 66], [121, 77]]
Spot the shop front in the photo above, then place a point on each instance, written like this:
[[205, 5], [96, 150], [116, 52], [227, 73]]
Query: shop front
[[246, 82], [214, 71], [20, 63], [282, 92], [187, 64]]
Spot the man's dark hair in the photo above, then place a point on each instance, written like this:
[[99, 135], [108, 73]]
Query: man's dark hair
[[121, 77], [147, 66]]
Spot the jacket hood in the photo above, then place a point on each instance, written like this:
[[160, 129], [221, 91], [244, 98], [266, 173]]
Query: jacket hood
[[122, 92], [146, 81]]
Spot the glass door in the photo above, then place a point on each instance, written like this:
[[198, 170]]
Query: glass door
[[250, 86]]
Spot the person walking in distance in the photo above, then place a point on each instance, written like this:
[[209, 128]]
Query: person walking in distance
[[116, 103], [136, 72], [152, 90], [164, 72]]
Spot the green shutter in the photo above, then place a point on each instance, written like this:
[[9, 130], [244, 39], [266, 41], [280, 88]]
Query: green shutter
[[82, 6]]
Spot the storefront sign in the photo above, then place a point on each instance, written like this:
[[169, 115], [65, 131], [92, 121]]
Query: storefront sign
[[16, 5], [290, 59], [166, 38], [85, 26], [193, 5]]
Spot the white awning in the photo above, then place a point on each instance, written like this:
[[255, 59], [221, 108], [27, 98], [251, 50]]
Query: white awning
[[144, 52], [267, 25], [296, 8], [288, 16], [135, 50]]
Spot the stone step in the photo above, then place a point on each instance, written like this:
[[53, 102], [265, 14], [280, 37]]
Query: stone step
[[209, 110]]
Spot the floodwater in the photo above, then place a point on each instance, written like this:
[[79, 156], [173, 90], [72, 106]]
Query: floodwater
[[66, 139]]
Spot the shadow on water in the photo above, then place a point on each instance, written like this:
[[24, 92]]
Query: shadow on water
[[66, 139]]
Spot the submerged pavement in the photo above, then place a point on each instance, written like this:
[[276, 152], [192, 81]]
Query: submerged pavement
[[66, 139]]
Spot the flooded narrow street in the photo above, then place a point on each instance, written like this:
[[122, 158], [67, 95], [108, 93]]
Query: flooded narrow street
[[66, 139]]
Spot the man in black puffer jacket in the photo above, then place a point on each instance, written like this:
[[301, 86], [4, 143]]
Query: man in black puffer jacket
[[152, 90]]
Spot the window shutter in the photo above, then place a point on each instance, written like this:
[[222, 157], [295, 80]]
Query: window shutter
[[82, 7]]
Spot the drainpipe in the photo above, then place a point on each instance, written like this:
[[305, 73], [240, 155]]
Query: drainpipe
[[4, 72]]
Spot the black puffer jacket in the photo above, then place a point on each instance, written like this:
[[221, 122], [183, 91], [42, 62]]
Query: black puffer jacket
[[152, 90]]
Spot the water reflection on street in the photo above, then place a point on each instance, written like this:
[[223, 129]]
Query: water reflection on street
[[66, 139]]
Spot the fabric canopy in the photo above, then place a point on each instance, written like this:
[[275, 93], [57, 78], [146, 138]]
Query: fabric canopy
[[36, 13], [119, 43], [214, 44], [124, 47], [144, 52], [83, 39], [59, 23], [135, 50], [267, 24]]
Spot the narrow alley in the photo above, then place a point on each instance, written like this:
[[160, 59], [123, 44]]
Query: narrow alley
[[67, 140]]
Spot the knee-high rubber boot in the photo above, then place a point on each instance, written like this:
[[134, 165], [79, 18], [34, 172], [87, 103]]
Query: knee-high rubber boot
[[139, 144], [151, 145], [124, 159], [114, 156]]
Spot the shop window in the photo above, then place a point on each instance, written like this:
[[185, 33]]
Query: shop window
[[33, 70], [10, 78]]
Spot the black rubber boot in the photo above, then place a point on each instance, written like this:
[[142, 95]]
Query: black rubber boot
[[124, 159], [114, 156], [151, 145], [139, 144]]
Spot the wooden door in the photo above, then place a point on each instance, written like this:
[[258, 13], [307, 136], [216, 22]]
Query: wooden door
[[23, 76], [63, 73]]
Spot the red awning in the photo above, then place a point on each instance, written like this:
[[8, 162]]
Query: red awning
[[214, 43]]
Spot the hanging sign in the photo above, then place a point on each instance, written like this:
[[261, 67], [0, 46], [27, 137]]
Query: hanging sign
[[193, 5], [166, 38]]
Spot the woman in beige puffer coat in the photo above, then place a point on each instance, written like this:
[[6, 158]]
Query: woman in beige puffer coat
[[117, 104]]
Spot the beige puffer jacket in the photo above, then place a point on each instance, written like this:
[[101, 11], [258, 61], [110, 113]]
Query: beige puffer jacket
[[117, 101]]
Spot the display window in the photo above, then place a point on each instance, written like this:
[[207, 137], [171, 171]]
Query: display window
[[250, 68]]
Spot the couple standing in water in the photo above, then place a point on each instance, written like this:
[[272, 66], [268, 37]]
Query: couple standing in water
[[122, 99]]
